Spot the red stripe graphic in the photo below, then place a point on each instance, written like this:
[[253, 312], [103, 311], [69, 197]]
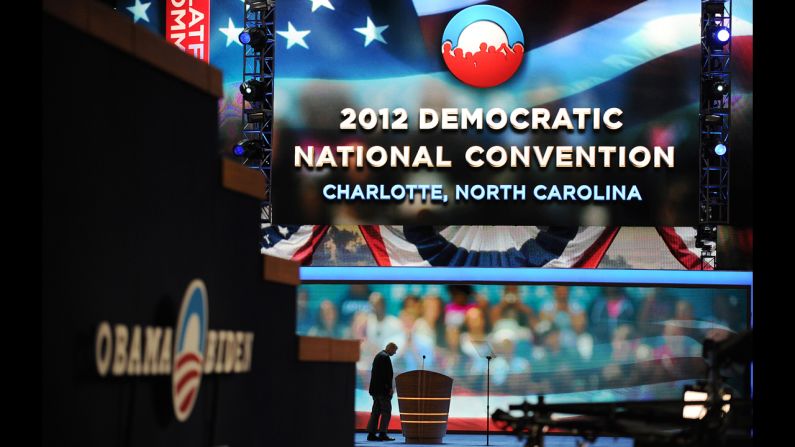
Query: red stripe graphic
[[188, 26], [304, 254], [678, 248], [187, 401], [192, 374], [594, 254], [372, 235], [187, 357]]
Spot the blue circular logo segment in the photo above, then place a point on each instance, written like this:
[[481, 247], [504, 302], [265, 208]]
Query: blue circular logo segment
[[478, 13], [196, 306]]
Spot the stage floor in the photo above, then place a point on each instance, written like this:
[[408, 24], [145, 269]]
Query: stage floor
[[499, 440]]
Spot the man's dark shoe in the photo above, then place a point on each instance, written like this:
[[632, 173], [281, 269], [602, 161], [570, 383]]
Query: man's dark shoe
[[385, 437], [372, 437]]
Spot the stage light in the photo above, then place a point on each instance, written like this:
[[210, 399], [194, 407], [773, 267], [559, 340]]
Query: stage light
[[696, 398], [713, 125], [253, 90], [726, 407], [716, 88], [723, 34], [256, 5], [719, 36], [706, 235], [249, 149], [715, 7], [720, 149], [256, 37], [697, 410], [239, 150], [713, 119], [259, 116]]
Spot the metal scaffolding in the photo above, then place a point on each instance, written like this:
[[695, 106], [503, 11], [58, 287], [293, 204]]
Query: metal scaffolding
[[258, 112], [714, 120]]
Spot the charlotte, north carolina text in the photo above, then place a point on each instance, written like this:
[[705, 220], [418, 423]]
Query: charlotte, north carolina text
[[465, 193]]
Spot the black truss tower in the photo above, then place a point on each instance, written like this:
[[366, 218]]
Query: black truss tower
[[258, 113], [714, 121]]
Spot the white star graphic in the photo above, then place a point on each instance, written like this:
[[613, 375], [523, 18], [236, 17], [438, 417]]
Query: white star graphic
[[294, 36], [324, 3], [232, 34], [138, 11], [372, 32]]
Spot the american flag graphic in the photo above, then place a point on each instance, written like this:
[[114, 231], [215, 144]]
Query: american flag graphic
[[473, 245], [589, 48], [147, 13], [575, 50], [488, 246]]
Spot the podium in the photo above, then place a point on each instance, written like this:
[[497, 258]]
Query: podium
[[424, 403]]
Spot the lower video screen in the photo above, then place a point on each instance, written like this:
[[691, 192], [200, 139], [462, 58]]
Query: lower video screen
[[568, 343]]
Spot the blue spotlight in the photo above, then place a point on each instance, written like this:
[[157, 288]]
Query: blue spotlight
[[256, 37], [719, 36], [720, 149], [723, 34], [251, 149]]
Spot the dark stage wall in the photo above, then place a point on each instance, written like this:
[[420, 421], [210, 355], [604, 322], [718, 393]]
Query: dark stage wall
[[133, 210]]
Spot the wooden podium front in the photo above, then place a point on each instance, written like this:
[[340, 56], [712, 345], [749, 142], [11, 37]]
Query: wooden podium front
[[424, 403]]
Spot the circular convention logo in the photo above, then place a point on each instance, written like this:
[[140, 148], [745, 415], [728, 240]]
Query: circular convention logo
[[483, 46], [189, 349]]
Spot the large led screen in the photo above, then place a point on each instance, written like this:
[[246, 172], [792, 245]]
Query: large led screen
[[568, 343], [365, 97]]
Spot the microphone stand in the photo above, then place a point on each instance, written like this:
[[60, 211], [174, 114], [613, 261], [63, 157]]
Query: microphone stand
[[421, 404], [488, 383], [485, 350]]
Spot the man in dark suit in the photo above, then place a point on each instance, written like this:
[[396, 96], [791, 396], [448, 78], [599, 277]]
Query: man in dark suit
[[381, 390]]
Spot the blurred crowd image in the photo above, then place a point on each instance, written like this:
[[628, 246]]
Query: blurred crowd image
[[632, 341]]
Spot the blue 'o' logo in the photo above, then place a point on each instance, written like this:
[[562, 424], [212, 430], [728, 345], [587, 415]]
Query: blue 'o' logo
[[189, 345], [483, 46]]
